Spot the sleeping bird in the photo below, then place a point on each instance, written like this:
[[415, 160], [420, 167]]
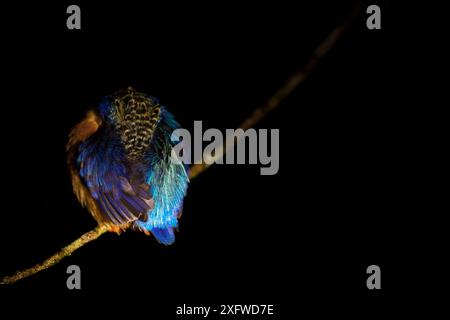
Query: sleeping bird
[[122, 171]]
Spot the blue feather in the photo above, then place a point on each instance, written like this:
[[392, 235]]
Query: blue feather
[[147, 191], [168, 180]]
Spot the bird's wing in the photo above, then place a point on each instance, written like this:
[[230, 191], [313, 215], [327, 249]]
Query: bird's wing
[[120, 197], [168, 180]]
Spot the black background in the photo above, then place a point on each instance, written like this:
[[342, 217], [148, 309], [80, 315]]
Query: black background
[[301, 239]]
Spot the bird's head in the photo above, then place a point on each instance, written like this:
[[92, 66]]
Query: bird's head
[[133, 116]]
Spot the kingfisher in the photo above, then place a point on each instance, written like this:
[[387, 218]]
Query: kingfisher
[[122, 168]]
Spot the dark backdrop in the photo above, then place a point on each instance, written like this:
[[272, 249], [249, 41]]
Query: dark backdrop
[[300, 239]]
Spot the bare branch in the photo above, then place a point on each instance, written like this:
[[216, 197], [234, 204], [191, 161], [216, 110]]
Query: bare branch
[[57, 257]]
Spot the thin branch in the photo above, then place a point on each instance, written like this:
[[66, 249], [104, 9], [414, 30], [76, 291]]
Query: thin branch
[[57, 257]]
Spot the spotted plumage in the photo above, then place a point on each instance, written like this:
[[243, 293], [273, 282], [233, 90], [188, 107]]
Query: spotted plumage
[[135, 117], [119, 159]]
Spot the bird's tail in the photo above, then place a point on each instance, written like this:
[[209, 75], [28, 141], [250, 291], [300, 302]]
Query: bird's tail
[[164, 235]]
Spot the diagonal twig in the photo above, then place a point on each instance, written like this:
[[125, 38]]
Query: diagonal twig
[[57, 257]]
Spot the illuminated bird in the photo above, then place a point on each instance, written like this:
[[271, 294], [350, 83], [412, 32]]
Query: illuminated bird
[[119, 158]]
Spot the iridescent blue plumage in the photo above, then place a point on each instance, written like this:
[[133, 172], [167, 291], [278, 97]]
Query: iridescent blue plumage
[[126, 165]]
